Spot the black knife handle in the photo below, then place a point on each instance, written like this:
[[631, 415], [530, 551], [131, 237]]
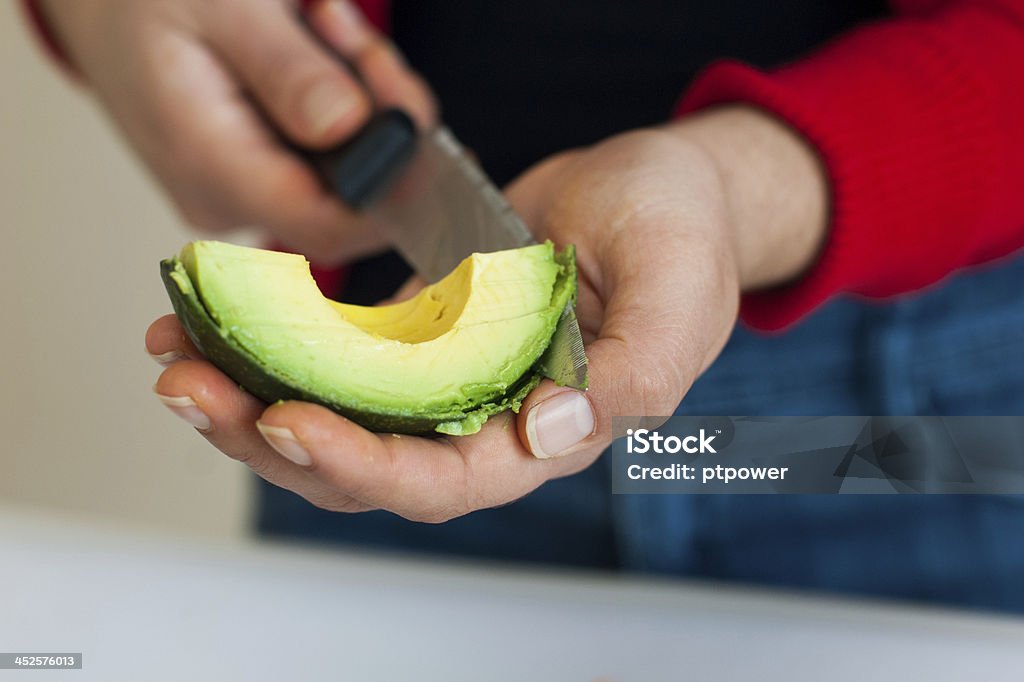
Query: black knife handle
[[362, 167]]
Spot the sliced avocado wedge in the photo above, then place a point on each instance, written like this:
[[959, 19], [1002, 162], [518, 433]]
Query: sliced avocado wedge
[[443, 361]]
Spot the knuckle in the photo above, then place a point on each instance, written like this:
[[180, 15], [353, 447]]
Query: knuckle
[[436, 516], [654, 385], [441, 512], [259, 465], [334, 502], [323, 502]]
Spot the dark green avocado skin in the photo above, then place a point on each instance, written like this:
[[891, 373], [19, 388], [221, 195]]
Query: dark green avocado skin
[[268, 385]]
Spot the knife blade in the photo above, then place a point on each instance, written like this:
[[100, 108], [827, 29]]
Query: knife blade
[[442, 208], [428, 197]]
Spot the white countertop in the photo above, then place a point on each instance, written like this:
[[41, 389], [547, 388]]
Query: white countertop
[[148, 607]]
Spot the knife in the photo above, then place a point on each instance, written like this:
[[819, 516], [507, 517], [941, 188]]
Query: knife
[[427, 195]]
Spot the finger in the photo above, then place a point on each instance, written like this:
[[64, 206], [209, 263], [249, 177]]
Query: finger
[[167, 342], [210, 401], [309, 94], [375, 58], [225, 169], [424, 479]]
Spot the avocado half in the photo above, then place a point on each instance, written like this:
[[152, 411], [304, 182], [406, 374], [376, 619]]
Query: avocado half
[[443, 361]]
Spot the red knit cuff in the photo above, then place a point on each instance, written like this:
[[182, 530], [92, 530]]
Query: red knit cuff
[[732, 82], [901, 131]]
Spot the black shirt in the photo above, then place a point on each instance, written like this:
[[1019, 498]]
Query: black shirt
[[519, 80]]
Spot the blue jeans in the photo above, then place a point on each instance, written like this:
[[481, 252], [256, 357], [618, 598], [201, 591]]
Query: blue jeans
[[956, 349]]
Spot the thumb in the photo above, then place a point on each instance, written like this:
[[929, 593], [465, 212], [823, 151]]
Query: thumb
[[556, 420], [662, 325]]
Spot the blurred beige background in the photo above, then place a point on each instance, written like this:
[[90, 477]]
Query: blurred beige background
[[83, 230]]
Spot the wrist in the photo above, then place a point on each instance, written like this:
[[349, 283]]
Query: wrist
[[775, 191]]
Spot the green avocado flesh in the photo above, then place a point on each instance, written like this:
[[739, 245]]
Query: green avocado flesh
[[445, 360]]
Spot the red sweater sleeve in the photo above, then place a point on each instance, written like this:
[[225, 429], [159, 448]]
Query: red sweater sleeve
[[919, 122]]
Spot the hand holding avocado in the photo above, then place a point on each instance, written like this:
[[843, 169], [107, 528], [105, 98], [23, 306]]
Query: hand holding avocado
[[669, 224], [460, 350]]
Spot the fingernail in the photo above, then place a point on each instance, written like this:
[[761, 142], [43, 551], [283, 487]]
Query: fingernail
[[558, 423], [287, 445], [186, 408], [326, 104], [350, 27], [169, 358]]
